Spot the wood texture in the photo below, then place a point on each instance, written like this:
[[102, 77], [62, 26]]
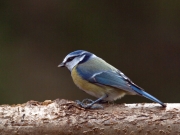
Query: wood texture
[[65, 117]]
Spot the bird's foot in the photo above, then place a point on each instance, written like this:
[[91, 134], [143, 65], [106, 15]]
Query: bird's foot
[[88, 104], [87, 101]]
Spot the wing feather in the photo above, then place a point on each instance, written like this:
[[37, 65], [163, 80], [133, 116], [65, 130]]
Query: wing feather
[[113, 79]]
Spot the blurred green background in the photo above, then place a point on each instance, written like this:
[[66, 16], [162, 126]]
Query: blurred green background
[[141, 38]]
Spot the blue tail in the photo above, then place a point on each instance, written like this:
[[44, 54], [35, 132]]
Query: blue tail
[[147, 95]]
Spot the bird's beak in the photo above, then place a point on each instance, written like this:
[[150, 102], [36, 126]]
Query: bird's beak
[[61, 65]]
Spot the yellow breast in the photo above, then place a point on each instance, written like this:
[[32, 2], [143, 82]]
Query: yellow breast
[[96, 90], [90, 88]]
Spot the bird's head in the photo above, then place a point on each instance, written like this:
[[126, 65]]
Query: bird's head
[[75, 58]]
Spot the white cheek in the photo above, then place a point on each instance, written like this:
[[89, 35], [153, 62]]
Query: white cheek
[[70, 65]]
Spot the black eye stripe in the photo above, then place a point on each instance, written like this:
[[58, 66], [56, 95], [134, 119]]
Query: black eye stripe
[[70, 59]]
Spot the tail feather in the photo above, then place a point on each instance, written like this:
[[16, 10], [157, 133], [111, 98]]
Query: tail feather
[[147, 95]]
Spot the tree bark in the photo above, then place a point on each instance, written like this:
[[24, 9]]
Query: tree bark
[[65, 117]]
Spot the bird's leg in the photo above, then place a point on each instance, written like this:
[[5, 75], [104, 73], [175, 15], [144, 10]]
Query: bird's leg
[[92, 102]]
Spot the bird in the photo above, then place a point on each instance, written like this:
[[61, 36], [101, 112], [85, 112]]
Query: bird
[[98, 78]]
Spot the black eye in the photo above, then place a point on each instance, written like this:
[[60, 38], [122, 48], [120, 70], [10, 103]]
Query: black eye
[[70, 59]]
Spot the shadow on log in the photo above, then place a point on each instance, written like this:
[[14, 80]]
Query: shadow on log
[[65, 117]]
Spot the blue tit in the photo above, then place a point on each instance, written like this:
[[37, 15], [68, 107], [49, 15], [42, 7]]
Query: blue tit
[[100, 79]]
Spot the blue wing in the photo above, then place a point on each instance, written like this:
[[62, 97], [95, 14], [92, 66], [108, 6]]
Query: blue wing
[[119, 80], [111, 78]]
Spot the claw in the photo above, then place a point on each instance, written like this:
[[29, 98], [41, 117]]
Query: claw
[[83, 105], [91, 103], [78, 102], [87, 101]]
